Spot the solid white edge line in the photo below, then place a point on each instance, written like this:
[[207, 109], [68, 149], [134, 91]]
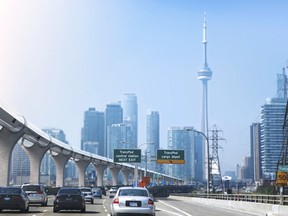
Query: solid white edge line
[[175, 208]]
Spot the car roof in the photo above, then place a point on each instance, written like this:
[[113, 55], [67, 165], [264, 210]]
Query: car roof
[[141, 188]]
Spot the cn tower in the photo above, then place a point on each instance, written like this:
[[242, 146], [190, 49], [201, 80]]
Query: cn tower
[[204, 75]]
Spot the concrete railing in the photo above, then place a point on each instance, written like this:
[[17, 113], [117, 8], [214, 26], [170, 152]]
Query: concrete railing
[[262, 205]]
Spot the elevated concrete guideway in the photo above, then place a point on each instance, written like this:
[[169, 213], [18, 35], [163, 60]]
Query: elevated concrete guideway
[[14, 128]]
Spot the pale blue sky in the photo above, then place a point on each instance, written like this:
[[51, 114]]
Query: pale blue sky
[[58, 58]]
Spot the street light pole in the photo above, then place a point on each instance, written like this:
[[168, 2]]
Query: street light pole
[[136, 165], [207, 161]]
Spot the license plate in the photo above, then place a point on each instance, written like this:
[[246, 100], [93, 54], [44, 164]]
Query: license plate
[[68, 198], [133, 204], [6, 198]]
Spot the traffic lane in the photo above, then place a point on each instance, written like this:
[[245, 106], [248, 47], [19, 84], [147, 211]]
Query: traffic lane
[[185, 207], [95, 209]]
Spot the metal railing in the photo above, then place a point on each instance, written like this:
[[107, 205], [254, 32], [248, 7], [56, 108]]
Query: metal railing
[[269, 199]]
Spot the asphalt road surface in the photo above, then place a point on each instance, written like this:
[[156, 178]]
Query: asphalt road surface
[[171, 206]]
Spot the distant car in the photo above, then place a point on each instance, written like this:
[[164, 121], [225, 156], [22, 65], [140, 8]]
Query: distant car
[[88, 194], [97, 192], [113, 190], [69, 199], [13, 198], [36, 193], [132, 200], [103, 189]]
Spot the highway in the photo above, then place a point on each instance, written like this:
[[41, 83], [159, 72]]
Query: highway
[[171, 206]]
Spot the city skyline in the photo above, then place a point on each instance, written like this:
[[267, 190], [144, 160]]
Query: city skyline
[[57, 61]]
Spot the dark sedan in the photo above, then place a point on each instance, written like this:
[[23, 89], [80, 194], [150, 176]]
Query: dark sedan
[[69, 199], [13, 198]]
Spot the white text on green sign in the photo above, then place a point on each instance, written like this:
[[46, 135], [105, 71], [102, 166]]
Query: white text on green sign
[[127, 155]]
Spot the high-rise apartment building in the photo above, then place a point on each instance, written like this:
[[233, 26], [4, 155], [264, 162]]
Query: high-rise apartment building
[[192, 143], [255, 151], [152, 139], [130, 116], [113, 115], [272, 119], [92, 134], [118, 137]]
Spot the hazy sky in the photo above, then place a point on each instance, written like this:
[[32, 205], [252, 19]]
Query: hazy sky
[[58, 58]]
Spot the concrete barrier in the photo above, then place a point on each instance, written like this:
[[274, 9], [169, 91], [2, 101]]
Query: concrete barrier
[[260, 209]]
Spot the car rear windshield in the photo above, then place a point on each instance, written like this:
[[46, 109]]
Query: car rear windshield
[[86, 189], [31, 188], [10, 190], [69, 191], [133, 192]]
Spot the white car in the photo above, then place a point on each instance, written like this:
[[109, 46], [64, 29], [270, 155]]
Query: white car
[[132, 200], [113, 190]]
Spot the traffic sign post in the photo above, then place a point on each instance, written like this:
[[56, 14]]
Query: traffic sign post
[[170, 157], [127, 155]]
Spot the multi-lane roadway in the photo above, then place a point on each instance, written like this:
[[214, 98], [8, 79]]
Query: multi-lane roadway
[[171, 206]]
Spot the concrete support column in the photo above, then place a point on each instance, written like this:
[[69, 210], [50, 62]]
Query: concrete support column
[[114, 171], [60, 162], [8, 140], [81, 167], [141, 174], [100, 173], [126, 173], [35, 160]]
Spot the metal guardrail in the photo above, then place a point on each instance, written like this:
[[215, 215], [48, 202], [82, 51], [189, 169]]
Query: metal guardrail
[[268, 199]]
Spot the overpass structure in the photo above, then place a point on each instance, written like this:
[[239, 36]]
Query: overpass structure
[[15, 128]]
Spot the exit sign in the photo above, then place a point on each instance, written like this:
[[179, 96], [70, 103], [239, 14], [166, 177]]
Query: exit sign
[[127, 155], [170, 157]]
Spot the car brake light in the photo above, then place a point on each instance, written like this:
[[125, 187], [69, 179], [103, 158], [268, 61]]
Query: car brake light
[[116, 201], [39, 192], [150, 202]]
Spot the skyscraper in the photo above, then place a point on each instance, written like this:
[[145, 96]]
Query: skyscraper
[[93, 131], [185, 138], [204, 75], [118, 137], [272, 119], [130, 116], [113, 115], [255, 151], [152, 138]]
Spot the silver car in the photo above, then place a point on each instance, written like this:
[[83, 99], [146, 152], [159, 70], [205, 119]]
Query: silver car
[[132, 200], [36, 193], [87, 192]]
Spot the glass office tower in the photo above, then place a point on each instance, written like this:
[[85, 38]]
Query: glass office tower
[[272, 119], [152, 139], [93, 131], [130, 116], [113, 115], [185, 138]]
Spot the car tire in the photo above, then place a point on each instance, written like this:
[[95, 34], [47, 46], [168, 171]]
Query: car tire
[[55, 210], [22, 210], [92, 201], [83, 210]]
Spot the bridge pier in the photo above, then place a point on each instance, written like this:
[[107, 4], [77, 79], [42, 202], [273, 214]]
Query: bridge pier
[[8, 140], [81, 167]]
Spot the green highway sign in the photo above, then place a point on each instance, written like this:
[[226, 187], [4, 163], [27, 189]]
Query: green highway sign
[[127, 155], [170, 157], [283, 168]]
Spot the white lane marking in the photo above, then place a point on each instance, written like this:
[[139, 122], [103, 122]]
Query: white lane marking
[[175, 208]]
